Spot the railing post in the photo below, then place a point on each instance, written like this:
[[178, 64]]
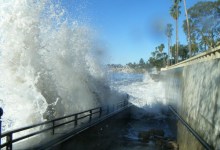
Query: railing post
[[53, 127], [9, 142], [124, 103], [76, 119], [107, 109], [90, 116], [100, 112], [1, 113]]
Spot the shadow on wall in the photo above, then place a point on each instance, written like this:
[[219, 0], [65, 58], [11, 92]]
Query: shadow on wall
[[195, 90]]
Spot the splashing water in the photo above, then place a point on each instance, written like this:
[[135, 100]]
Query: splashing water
[[144, 92], [45, 59]]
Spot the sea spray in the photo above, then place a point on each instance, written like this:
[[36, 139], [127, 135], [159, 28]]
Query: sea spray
[[47, 59], [143, 90]]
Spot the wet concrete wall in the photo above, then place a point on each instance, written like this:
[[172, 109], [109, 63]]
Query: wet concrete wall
[[195, 92]]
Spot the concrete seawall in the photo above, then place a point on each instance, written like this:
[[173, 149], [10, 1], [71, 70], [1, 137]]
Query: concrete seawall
[[193, 87]]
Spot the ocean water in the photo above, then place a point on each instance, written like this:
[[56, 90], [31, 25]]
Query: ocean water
[[122, 131], [144, 92], [150, 111]]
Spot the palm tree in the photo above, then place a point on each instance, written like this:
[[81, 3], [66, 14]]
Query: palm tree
[[175, 12], [160, 48], [188, 29], [169, 32]]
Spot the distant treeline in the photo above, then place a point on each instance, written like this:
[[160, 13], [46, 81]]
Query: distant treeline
[[139, 67]]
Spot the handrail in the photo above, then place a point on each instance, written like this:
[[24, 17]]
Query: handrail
[[46, 122], [203, 142], [55, 123]]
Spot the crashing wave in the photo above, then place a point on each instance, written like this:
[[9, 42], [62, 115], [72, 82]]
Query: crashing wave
[[47, 62]]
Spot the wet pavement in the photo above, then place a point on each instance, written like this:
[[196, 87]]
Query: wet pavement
[[133, 129]]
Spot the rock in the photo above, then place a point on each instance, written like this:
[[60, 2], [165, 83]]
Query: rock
[[145, 136], [171, 145], [157, 132]]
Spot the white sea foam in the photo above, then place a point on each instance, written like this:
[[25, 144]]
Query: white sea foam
[[45, 58], [144, 92]]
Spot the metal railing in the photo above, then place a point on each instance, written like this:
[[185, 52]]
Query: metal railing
[[91, 114], [196, 135]]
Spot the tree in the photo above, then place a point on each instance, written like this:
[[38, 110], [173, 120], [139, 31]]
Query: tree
[[169, 32], [141, 63], [183, 51], [204, 20], [161, 47], [175, 12], [188, 29], [139, 67], [158, 57]]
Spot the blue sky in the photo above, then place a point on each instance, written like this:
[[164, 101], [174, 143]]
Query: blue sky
[[129, 28]]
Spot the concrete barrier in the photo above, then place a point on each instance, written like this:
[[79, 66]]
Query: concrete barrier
[[193, 87], [208, 55]]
